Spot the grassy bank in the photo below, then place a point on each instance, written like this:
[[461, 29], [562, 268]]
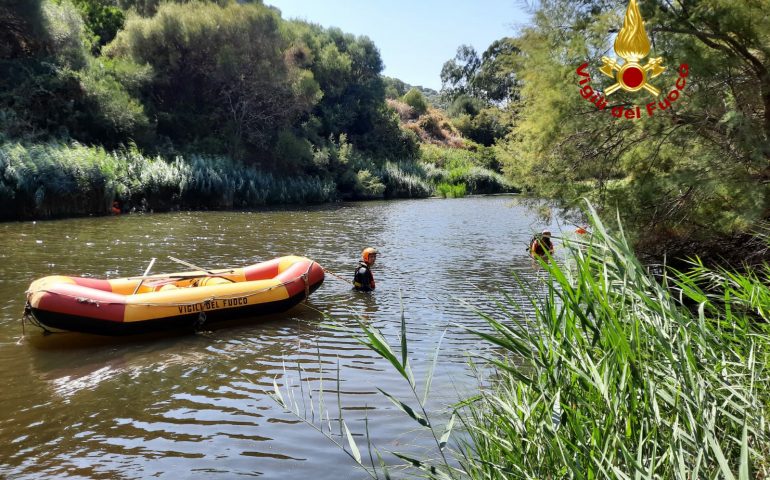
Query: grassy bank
[[53, 179], [58, 179]]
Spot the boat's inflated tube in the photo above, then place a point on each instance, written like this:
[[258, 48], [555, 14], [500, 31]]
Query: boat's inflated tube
[[165, 302]]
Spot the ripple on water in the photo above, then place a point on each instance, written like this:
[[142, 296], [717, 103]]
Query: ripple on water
[[199, 405]]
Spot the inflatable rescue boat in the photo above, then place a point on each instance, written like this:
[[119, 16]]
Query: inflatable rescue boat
[[127, 306]]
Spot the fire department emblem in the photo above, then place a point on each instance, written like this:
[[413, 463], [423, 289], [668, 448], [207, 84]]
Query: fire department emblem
[[632, 45]]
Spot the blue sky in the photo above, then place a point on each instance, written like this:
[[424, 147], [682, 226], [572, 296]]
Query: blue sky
[[415, 37]]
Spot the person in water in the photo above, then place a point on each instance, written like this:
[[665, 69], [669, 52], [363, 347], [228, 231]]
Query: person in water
[[363, 280], [541, 244]]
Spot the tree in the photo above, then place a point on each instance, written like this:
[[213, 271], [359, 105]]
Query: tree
[[394, 88], [220, 72], [102, 18], [495, 79], [692, 172], [457, 75], [347, 69], [50, 85], [725, 43]]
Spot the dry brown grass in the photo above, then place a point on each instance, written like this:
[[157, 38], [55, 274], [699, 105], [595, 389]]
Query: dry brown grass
[[432, 127]]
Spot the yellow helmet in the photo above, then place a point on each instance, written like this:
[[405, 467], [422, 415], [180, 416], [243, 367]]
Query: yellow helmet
[[368, 253]]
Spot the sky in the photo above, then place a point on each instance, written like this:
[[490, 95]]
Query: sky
[[415, 37]]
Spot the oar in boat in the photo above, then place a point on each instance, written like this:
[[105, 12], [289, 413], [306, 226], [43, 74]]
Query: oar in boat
[[141, 281], [188, 264]]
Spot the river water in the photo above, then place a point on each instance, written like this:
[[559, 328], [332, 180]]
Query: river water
[[198, 404]]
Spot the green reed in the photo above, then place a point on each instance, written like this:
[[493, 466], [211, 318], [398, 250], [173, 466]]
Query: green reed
[[619, 375], [448, 190], [58, 179]]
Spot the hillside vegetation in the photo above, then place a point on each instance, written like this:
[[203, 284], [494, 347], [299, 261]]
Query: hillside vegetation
[[228, 89]]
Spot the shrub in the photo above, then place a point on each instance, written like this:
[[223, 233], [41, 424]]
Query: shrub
[[430, 124], [448, 190], [405, 180], [414, 99], [368, 185], [404, 111], [292, 152]]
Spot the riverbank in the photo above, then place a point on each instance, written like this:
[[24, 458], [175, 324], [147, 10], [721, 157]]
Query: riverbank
[[55, 180]]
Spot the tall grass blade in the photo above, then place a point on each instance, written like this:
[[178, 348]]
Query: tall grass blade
[[432, 368], [406, 409], [352, 443], [447, 432], [278, 396], [743, 468], [424, 466], [376, 342], [720, 456]]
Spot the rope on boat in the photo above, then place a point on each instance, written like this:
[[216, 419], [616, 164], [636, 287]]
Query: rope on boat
[[29, 316], [305, 279], [335, 275]]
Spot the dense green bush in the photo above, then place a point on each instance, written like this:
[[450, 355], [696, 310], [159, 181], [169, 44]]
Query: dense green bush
[[368, 185], [466, 105], [102, 18], [233, 86], [484, 128], [454, 166], [66, 34], [414, 99], [449, 190]]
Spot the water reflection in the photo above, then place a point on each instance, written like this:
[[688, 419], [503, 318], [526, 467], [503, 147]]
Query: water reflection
[[197, 405]]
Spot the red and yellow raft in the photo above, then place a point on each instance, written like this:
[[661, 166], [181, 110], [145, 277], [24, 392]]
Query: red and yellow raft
[[170, 301]]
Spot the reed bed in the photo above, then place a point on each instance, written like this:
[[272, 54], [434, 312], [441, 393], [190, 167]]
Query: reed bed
[[55, 179], [405, 180], [622, 375]]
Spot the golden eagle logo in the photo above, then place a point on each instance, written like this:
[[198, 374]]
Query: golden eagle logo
[[632, 45]]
